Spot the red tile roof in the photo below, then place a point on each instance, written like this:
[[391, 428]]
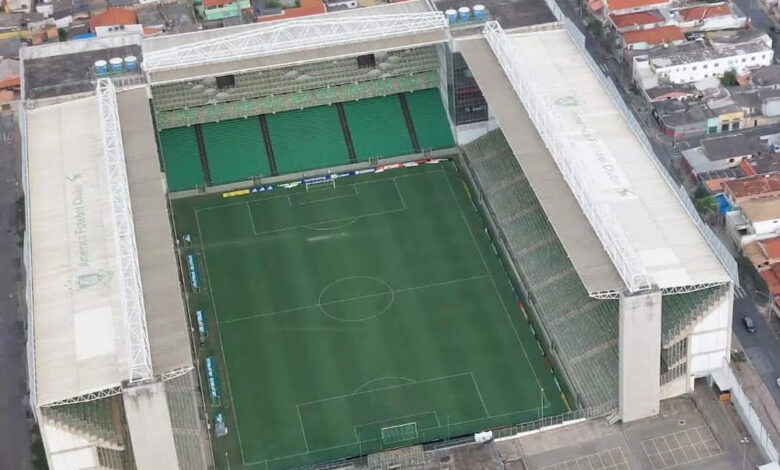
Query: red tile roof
[[770, 276], [617, 5], [308, 7], [758, 185], [703, 12], [216, 3], [636, 19], [771, 248], [113, 17], [747, 168], [664, 34]]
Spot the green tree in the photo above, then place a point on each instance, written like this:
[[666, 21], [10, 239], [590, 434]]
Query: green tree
[[706, 205], [729, 78]]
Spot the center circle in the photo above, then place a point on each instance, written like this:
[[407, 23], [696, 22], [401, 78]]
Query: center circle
[[356, 298]]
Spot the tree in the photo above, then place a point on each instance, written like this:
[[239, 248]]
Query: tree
[[706, 204], [729, 78]]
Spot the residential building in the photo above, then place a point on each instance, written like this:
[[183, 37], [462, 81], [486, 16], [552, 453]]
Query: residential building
[[308, 7], [639, 20], [710, 17], [721, 153], [766, 77], [621, 7], [754, 220], [211, 10], [642, 39], [751, 188], [113, 17]]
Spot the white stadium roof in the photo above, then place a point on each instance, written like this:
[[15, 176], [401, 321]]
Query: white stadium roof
[[79, 317], [78, 321], [627, 200]]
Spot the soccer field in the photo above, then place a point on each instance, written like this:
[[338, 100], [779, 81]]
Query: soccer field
[[350, 319]]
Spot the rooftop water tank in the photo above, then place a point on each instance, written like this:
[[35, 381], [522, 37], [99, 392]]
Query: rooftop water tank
[[479, 12], [131, 63], [101, 67], [115, 63], [452, 15], [464, 13]]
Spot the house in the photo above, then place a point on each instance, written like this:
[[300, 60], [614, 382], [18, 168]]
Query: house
[[17, 6], [751, 188], [680, 119], [639, 20], [212, 10], [721, 153], [766, 77], [308, 7], [709, 17], [622, 7], [671, 91], [643, 39], [113, 17], [754, 220]]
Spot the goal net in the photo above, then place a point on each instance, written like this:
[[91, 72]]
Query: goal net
[[401, 433], [328, 183]]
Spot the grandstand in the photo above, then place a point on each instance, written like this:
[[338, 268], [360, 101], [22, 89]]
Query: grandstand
[[359, 271]]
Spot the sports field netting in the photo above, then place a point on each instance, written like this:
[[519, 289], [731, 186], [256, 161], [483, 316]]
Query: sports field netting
[[351, 319]]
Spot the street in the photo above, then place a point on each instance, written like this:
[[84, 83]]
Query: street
[[762, 347], [14, 425]]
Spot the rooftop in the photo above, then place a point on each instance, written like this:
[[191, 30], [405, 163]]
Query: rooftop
[[308, 7], [703, 12], [618, 169], [79, 329], [754, 185], [508, 13], [637, 19], [617, 5], [731, 146], [113, 17], [654, 36], [697, 51], [766, 76], [771, 247], [759, 210]]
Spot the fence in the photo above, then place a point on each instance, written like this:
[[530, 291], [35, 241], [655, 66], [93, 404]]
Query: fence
[[727, 380]]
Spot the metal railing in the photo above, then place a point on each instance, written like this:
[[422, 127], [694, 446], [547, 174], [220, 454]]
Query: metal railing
[[292, 36], [137, 336]]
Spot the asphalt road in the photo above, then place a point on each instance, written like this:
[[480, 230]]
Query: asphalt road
[[14, 432], [762, 347]]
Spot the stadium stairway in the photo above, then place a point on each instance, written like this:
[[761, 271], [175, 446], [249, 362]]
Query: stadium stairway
[[95, 420]]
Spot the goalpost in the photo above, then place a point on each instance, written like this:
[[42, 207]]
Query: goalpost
[[327, 182]]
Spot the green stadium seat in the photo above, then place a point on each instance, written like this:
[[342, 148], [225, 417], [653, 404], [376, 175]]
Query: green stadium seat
[[181, 156], [307, 139], [429, 119], [378, 128], [235, 150]]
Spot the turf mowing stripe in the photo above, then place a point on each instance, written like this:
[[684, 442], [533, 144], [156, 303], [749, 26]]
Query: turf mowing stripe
[[498, 293]]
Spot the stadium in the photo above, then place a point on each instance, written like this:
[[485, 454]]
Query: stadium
[[324, 239]]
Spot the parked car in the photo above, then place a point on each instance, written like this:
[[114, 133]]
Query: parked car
[[750, 325]]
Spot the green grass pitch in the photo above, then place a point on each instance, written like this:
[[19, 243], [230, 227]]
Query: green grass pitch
[[351, 319]]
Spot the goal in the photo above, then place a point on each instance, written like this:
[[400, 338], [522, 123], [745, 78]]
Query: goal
[[319, 184]]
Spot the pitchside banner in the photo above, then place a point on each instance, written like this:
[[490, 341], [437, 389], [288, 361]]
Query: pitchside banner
[[192, 267], [211, 377]]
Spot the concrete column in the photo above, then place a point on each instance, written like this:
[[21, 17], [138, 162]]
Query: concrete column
[[149, 422], [640, 355]]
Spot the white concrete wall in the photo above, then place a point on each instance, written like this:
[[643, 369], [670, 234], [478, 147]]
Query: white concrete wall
[[639, 366], [766, 227], [710, 342]]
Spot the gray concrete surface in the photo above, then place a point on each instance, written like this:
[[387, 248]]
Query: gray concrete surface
[[681, 437], [14, 435], [762, 347]]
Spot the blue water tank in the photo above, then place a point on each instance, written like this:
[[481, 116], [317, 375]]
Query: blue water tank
[[131, 63], [479, 12], [116, 64], [101, 67], [464, 13], [452, 15]]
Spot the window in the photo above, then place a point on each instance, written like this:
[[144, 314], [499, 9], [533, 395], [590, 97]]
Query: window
[[734, 126], [366, 61], [693, 68], [226, 81], [744, 60], [716, 64], [705, 66]]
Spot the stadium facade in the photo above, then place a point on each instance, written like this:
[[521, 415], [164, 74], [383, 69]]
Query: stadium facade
[[629, 292]]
